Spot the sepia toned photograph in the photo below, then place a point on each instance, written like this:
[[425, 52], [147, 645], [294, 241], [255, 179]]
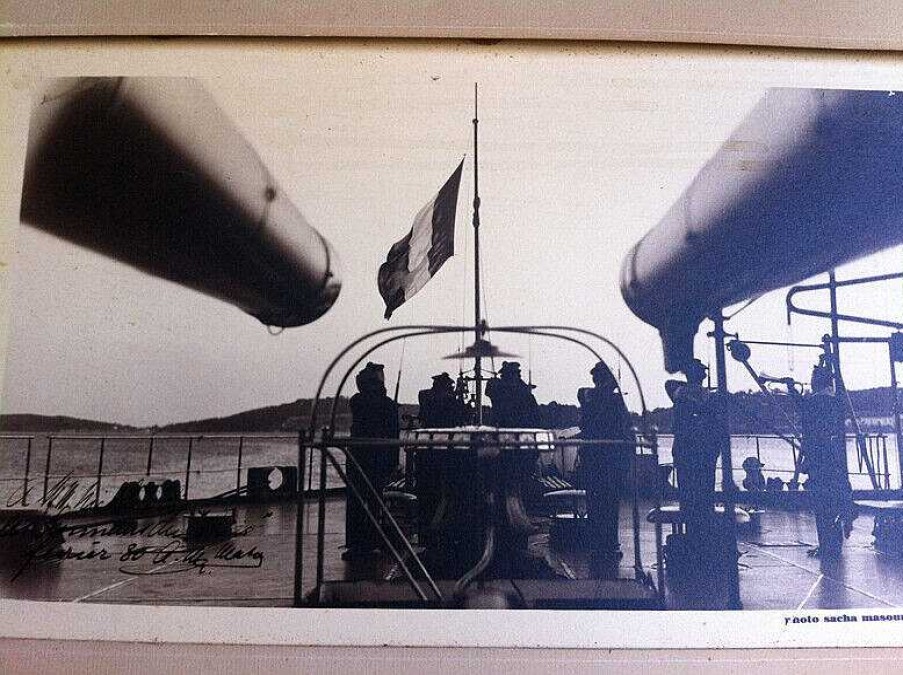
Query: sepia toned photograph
[[409, 326]]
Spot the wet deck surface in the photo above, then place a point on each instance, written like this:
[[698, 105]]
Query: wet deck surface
[[256, 567]]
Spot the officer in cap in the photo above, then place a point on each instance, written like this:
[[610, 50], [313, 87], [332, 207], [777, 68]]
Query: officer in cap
[[700, 435], [604, 468], [754, 481], [440, 407], [513, 403], [373, 415], [824, 458]]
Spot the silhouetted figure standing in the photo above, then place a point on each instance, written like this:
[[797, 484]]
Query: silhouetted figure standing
[[373, 415], [513, 403], [440, 406], [461, 394], [700, 433], [604, 468], [824, 458], [754, 481]]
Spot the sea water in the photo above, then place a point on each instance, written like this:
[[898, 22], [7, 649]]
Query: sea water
[[212, 465]]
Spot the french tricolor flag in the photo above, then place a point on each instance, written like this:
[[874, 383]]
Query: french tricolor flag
[[415, 259]]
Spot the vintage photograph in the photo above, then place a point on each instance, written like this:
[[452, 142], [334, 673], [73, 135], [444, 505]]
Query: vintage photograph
[[460, 326]]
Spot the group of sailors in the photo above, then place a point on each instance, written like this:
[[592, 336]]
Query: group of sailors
[[513, 404], [603, 468], [701, 436]]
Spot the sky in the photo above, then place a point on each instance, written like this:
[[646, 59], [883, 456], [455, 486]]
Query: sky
[[583, 148]]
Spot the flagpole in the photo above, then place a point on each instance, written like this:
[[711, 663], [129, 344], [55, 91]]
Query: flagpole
[[478, 319]]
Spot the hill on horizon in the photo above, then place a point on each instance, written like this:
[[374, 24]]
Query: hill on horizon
[[750, 412], [293, 416], [25, 423]]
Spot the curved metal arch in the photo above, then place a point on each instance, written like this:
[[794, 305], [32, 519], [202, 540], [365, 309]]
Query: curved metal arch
[[423, 330], [567, 338], [344, 380], [541, 331], [299, 511], [819, 314], [389, 329], [414, 331], [357, 361]]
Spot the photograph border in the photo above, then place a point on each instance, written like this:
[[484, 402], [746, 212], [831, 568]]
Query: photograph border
[[30, 619]]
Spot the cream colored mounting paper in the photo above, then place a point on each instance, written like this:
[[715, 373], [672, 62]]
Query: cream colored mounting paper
[[838, 24], [583, 149]]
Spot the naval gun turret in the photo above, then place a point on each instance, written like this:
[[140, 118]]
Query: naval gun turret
[[149, 171], [811, 179]]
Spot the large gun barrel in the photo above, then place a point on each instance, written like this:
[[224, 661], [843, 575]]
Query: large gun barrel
[[149, 171], [810, 179]]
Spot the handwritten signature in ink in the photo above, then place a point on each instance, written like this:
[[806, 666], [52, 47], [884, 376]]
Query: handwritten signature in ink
[[173, 557]]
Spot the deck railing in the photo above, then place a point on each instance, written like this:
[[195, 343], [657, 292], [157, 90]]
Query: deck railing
[[32, 465], [876, 445], [35, 467], [543, 443]]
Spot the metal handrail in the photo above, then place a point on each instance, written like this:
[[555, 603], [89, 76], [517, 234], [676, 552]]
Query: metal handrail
[[326, 445], [189, 443]]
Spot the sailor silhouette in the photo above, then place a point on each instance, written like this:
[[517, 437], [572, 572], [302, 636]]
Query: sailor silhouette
[[513, 403], [373, 415], [700, 433], [440, 407], [754, 481], [824, 458], [604, 468]]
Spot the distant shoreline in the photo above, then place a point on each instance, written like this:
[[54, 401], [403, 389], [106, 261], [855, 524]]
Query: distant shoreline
[[750, 413]]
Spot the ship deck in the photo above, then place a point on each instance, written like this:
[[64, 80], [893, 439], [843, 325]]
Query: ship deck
[[255, 568]]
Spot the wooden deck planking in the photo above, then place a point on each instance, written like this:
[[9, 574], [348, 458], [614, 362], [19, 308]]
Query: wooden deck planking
[[776, 571]]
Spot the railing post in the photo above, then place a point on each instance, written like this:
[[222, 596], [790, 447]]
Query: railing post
[[659, 554], [635, 513], [859, 456], [299, 523], [47, 467], [27, 471], [321, 514], [871, 455], [875, 453], [150, 456], [727, 462], [895, 407], [188, 466], [241, 443], [99, 474], [310, 467]]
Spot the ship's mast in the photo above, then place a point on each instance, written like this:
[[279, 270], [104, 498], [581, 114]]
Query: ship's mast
[[478, 319]]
